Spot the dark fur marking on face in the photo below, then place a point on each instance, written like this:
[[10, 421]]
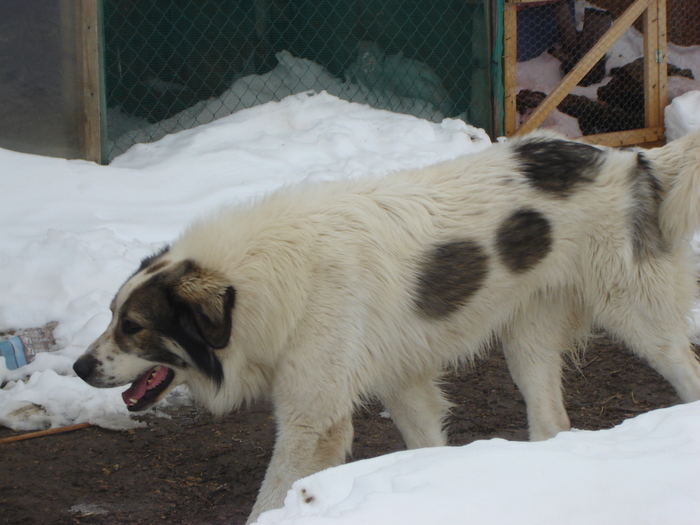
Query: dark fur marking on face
[[558, 166], [450, 275], [158, 305], [523, 240], [155, 267], [153, 347], [647, 239], [148, 343]]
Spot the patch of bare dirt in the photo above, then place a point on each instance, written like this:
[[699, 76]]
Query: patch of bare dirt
[[194, 469]]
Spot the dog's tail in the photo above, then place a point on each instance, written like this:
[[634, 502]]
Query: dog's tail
[[678, 166]]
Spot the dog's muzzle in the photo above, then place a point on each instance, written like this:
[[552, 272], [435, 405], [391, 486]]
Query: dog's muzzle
[[146, 390]]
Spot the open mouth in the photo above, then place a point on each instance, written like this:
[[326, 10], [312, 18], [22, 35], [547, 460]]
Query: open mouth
[[147, 389]]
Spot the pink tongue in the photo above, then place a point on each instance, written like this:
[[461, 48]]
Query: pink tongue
[[139, 387]]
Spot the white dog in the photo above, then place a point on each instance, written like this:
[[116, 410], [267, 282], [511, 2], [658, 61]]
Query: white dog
[[323, 296]]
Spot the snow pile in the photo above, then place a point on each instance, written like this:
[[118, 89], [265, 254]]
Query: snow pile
[[681, 116], [296, 75], [71, 232], [641, 472]]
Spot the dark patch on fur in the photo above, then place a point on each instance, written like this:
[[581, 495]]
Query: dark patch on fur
[[155, 267], [153, 347], [647, 239], [558, 166], [148, 261], [450, 275], [209, 304], [523, 240], [154, 313]]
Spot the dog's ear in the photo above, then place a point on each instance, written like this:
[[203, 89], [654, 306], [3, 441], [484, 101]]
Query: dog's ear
[[205, 301]]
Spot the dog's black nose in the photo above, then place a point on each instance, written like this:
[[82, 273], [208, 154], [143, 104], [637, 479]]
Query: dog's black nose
[[85, 366]]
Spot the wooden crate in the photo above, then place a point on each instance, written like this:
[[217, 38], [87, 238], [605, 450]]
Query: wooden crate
[[654, 19]]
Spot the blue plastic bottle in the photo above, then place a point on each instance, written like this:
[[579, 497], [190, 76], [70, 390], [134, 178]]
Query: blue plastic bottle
[[13, 351]]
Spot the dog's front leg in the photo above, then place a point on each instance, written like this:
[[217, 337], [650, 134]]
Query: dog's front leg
[[417, 407], [303, 447]]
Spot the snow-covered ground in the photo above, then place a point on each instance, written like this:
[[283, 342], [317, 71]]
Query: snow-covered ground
[[71, 232]]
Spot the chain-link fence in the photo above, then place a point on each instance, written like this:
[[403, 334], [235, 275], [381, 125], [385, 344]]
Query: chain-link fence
[[612, 96], [175, 64]]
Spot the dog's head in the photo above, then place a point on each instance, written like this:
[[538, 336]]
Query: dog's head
[[168, 320]]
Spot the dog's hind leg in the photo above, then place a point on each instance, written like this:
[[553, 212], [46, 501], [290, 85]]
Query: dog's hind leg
[[649, 314], [676, 361], [418, 408], [534, 343], [664, 345]]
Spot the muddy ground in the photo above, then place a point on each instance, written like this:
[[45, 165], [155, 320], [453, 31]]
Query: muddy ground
[[194, 469]]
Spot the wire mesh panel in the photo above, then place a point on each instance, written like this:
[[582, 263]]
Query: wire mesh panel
[[622, 87], [175, 64]]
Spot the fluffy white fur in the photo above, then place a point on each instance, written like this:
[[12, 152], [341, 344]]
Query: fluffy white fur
[[326, 277]]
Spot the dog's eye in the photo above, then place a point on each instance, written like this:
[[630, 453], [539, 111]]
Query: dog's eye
[[130, 327]]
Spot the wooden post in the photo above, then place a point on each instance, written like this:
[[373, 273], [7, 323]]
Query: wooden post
[[510, 58], [651, 67], [89, 68], [655, 65], [663, 72]]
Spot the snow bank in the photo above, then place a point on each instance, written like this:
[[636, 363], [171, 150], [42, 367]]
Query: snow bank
[[641, 472], [682, 116], [295, 75]]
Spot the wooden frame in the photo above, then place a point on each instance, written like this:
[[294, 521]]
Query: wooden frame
[[89, 56], [654, 12]]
